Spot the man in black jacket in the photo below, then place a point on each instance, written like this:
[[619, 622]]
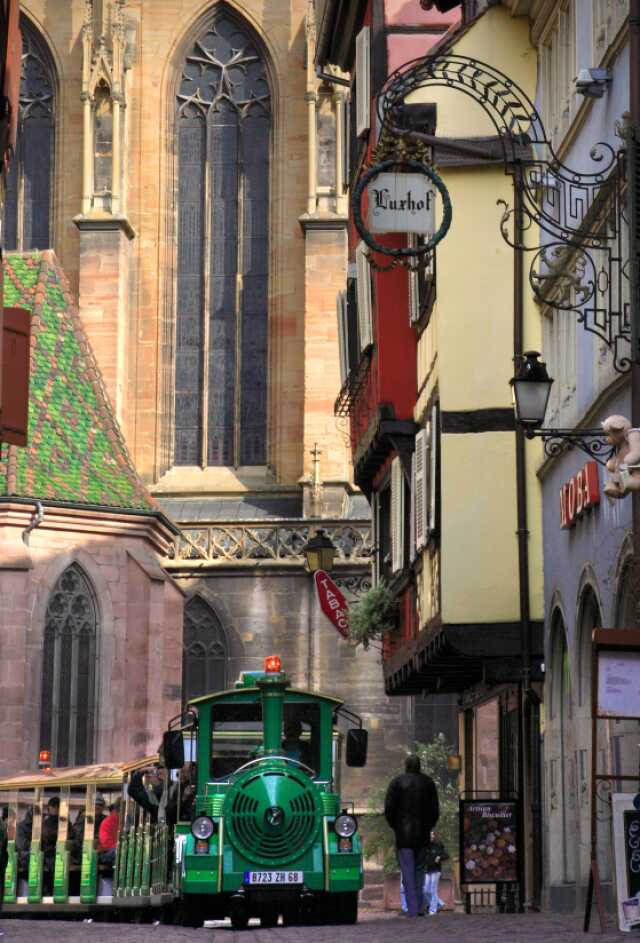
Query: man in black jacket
[[411, 808]]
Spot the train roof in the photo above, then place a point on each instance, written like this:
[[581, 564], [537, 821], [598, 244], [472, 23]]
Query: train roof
[[240, 692], [99, 774]]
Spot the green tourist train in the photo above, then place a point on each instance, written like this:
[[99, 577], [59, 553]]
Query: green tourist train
[[239, 815]]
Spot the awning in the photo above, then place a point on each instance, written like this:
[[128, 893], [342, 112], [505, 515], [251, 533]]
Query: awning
[[449, 658]]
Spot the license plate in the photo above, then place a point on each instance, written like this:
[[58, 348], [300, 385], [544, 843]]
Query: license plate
[[273, 877]]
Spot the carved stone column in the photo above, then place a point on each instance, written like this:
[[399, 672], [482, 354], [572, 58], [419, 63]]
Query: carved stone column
[[105, 231]]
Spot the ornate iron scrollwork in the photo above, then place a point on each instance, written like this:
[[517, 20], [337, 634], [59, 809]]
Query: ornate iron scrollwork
[[593, 442], [582, 266]]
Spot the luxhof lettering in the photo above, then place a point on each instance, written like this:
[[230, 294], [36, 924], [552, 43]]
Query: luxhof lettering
[[401, 203], [384, 201]]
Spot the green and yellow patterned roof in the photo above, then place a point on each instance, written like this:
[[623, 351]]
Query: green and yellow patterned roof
[[75, 452]]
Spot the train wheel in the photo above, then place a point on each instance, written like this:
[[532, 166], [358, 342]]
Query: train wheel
[[269, 917], [239, 916], [346, 908]]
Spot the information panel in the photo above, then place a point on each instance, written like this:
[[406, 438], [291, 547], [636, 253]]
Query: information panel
[[618, 684], [489, 841], [626, 847]]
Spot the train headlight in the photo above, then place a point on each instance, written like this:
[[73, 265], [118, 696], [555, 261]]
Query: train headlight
[[345, 825], [202, 828]]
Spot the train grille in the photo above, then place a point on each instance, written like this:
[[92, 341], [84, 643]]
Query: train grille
[[272, 816]]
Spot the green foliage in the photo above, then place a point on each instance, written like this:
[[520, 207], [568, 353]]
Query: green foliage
[[373, 615], [379, 839]]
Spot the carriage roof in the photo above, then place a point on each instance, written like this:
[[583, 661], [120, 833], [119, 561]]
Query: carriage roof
[[98, 774]]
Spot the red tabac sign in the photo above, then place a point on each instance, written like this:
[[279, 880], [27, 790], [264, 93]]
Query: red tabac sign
[[332, 602], [579, 494]]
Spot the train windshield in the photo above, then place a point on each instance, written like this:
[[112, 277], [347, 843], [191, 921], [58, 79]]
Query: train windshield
[[236, 737]]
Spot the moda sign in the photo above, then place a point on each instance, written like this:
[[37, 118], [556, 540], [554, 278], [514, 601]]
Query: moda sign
[[579, 494], [401, 202]]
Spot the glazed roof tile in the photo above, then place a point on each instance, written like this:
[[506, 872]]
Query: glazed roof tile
[[76, 452]]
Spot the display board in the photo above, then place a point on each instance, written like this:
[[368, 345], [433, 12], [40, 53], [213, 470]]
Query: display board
[[489, 841], [626, 849], [619, 684]]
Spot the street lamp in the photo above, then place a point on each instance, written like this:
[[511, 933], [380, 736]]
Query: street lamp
[[320, 552], [531, 388]]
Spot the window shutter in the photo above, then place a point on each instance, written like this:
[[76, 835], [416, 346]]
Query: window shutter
[[421, 456], [397, 516], [363, 81], [343, 335], [376, 557], [433, 470], [412, 515], [365, 328], [351, 303]]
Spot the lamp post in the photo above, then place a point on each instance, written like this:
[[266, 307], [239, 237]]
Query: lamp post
[[320, 553], [531, 388]]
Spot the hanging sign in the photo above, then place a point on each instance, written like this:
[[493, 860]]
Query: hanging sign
[[489, 841], [401, 197], [401, 203], [332, 602], [579, 494]]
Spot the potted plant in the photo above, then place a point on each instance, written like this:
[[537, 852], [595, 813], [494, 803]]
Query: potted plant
[[372, 616]]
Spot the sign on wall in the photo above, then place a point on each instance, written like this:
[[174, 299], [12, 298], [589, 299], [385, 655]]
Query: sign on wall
[[579, 494], [626, 852], [332, 602], [489, 841], [619, 684], [400, 202]]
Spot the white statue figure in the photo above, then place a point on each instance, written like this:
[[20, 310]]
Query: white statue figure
[[625, 464]]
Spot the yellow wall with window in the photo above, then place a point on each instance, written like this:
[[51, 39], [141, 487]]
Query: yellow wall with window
[[465, 360]]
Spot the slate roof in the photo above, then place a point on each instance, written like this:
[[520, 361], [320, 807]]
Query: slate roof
[[76, 451]]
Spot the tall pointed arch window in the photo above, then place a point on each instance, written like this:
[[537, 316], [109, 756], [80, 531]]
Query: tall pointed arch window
[[67, 710], [205, 652], [27, 218], [223, 129]]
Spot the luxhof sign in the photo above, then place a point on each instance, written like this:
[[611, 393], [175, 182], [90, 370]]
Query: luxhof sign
[[401, 202]]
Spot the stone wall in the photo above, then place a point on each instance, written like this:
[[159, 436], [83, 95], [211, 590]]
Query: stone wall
[[139, 636]]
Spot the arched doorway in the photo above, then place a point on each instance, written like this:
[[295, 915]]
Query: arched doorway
[[560, 764]]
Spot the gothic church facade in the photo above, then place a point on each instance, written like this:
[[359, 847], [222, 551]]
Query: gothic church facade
[[187, 168]]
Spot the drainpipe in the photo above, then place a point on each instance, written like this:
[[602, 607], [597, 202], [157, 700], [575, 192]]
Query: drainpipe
[[528, 893], [36, 520], [633, 150]]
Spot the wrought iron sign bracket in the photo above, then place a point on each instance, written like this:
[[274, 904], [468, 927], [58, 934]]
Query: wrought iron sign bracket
[[593, 442], [574, 223]]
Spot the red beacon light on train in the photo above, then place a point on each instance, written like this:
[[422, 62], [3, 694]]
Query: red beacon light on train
[[44, 761], [272, 664]]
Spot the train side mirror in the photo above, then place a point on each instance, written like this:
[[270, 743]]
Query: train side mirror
[[173, 749], [357, 740]]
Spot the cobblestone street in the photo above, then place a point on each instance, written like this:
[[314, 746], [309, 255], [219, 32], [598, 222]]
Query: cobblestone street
[[374, 927]]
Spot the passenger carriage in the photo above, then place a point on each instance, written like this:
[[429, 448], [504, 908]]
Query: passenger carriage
[[246, 819]]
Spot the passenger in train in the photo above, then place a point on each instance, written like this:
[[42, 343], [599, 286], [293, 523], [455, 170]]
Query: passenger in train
[[185, 787], [49, 840], [76, 831], [108, 834], [147, 794], [23, 840]]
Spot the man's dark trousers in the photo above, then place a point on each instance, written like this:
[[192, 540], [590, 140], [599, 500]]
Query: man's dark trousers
[[412, 863]]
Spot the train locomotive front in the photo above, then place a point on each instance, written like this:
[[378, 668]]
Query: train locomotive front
[[269, 834]]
